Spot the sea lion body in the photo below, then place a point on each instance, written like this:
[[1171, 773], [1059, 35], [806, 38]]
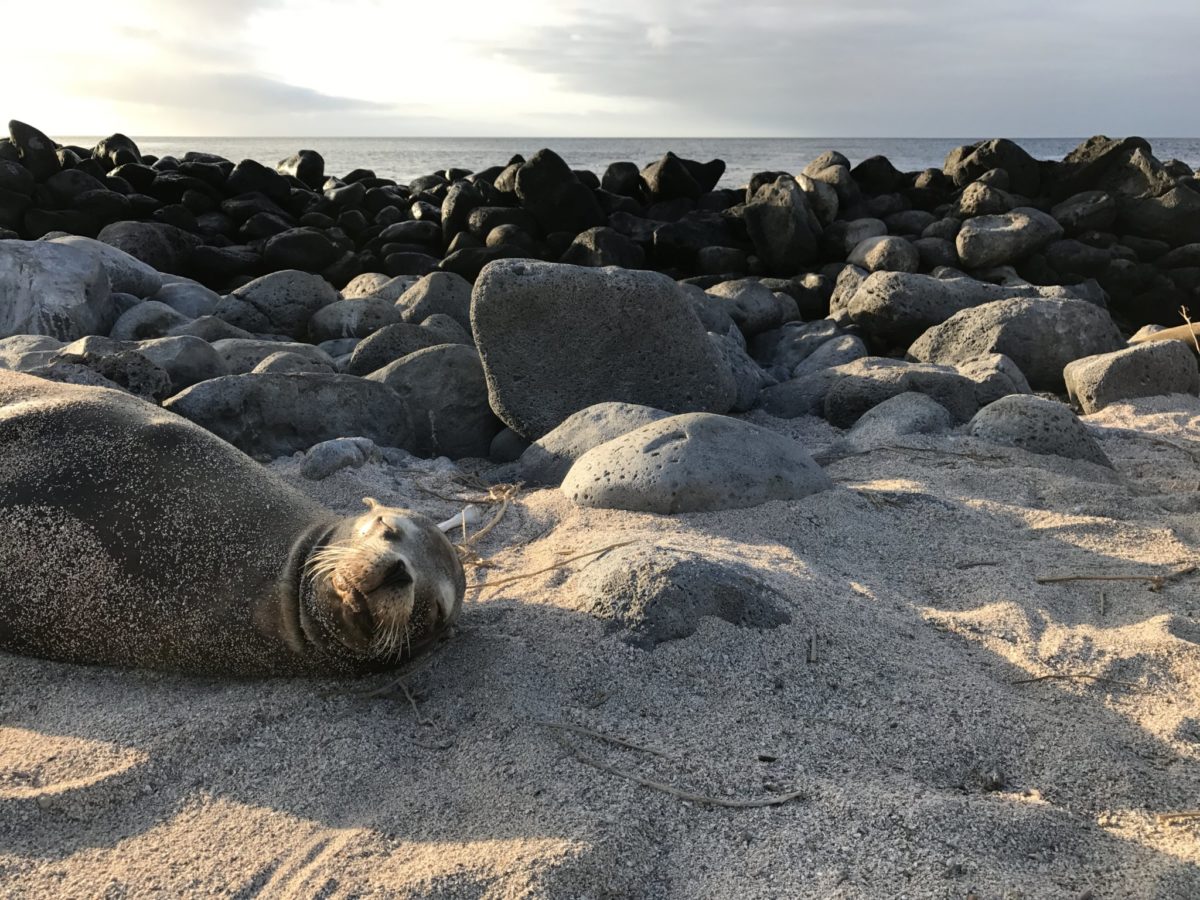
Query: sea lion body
[[132, 537], [1189, 334]]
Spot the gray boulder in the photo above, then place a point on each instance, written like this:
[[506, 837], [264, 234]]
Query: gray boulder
[[886, 253], [822, 197], [904, 414], [351, 318], [278, 303], [389, 344], [548, 459], [934, 252], [241, 355], [782, 349], [187, 360], [556, 339], [649, 595], [126, 274], [849, 279], [697, 462], [843, 237], [964, 164], [1086, 211], [712, 311], [447, 330], [268, 416], [842, 394], [836, 351], [782, 225], [1144, 370], [148, 319], [442, 293], [212, 329], [285, 361], [507, 447], [1037, 425], [748, 376], [445, 389], [117, 362], [53, 289], [189, 298], [367, 284], [995, 376], [329, 457], [1174, 217], [162, 247], [751, 306], [23, 352], [1040, 336], [394, 288], [894, 308], [987, 241]]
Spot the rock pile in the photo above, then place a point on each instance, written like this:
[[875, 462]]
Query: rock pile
[[594, 330]]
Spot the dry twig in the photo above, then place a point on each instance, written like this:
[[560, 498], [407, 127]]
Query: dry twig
[[690, 796], [558, 565], [599, 735], [1184, 312], [1157, 582]]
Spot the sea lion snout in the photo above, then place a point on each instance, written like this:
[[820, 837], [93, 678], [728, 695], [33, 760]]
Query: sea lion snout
[[389, 582]]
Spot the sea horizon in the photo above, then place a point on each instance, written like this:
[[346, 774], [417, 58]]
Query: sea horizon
[[406, 158]]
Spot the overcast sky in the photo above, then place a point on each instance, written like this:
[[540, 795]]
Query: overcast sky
[[845, 68]]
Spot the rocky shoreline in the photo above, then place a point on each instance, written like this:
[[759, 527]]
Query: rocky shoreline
[[834, 464], [469, 314]]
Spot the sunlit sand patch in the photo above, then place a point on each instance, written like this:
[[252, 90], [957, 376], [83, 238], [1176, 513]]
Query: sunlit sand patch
[[34, 765]]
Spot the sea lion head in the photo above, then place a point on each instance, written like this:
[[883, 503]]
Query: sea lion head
[[383, 585]]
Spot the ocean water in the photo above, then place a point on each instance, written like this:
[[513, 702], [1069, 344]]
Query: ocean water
[[406, 158]]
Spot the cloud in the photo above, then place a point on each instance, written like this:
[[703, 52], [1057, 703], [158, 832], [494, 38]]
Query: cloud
[[232, 93], [651, 67], [949, 67]]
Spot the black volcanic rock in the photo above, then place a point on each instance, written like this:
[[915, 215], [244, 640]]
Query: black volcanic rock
[[117, 150], [965, 164], [249, 176], [670, 179], [161, 246], [877, 175], [461, 199], [306, 249], [549, 190], [306, 165], [36, 152], [604, 247], [623, 178]]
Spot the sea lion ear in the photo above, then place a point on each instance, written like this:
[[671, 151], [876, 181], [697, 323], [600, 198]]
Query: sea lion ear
[[371, 502]]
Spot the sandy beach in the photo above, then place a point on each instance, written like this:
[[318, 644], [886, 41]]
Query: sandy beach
[[930, 764]]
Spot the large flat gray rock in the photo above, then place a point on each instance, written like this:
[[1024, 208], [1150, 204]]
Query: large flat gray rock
[[894, 308], [548, 459], [53, 289], [697, 462], [1145, 370], [271, 415], [649, 595], [445, 389], [126, 274], [1037, 425], [556, 339], [1040, 335]]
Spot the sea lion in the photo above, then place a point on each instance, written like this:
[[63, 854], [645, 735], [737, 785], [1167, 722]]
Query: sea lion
[[1189, 334], [131, 537]]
